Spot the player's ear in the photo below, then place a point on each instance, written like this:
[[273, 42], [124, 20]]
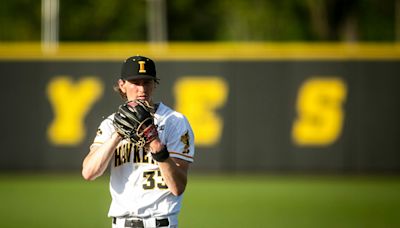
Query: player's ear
[[121, 84]]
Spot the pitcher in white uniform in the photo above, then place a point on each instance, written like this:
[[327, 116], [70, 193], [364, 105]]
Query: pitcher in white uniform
[[145, 193]]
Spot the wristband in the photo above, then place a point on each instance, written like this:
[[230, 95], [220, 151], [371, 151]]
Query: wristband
[[161, 156]]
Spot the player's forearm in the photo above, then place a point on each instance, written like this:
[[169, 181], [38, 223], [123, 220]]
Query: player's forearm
[[175, 176], [97, 160], [174, 171]]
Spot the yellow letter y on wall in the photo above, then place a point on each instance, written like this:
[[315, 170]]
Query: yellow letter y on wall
[[70, 103]]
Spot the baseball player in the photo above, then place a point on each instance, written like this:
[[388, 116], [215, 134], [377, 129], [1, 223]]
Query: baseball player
[[148, 147]]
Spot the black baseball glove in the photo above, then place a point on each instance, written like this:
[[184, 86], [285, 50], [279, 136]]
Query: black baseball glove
[[134, 121]]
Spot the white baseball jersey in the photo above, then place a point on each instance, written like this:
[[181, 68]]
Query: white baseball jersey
[[136, 185]]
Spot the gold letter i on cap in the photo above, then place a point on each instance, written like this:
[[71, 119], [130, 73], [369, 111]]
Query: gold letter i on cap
[[141, 67]]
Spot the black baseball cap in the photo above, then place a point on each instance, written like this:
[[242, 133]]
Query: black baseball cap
[[138, 67]]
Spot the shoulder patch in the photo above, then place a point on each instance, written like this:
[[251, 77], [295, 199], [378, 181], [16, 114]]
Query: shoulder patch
[[185, 141], [99, 132]]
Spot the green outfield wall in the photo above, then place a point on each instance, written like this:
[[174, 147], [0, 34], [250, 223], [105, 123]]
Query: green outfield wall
[[253, 107]]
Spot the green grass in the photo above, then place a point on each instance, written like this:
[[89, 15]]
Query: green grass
[[60, 200]]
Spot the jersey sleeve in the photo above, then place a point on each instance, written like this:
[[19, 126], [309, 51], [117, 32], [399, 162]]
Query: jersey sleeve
[[104, 131], [180, 138]]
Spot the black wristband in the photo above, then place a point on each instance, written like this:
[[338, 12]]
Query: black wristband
[[161, 156]]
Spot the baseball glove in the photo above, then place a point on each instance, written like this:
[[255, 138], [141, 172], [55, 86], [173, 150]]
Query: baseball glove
[[134, 121]]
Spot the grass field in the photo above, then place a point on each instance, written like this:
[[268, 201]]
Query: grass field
[[66, 200]]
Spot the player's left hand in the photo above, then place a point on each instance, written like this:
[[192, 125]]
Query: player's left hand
[[134, 120]]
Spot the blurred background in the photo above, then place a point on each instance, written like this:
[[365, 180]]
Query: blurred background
[[234, 20], [294, 105]]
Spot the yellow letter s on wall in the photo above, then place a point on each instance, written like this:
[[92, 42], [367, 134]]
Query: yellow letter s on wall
[[320, 115]]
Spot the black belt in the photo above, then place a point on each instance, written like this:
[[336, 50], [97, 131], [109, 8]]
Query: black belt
[[138, 223]]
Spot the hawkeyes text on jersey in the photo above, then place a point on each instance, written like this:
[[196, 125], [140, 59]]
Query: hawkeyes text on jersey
[[129, 152]]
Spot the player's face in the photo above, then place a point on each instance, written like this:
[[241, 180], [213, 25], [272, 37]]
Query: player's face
[[139, 89]]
